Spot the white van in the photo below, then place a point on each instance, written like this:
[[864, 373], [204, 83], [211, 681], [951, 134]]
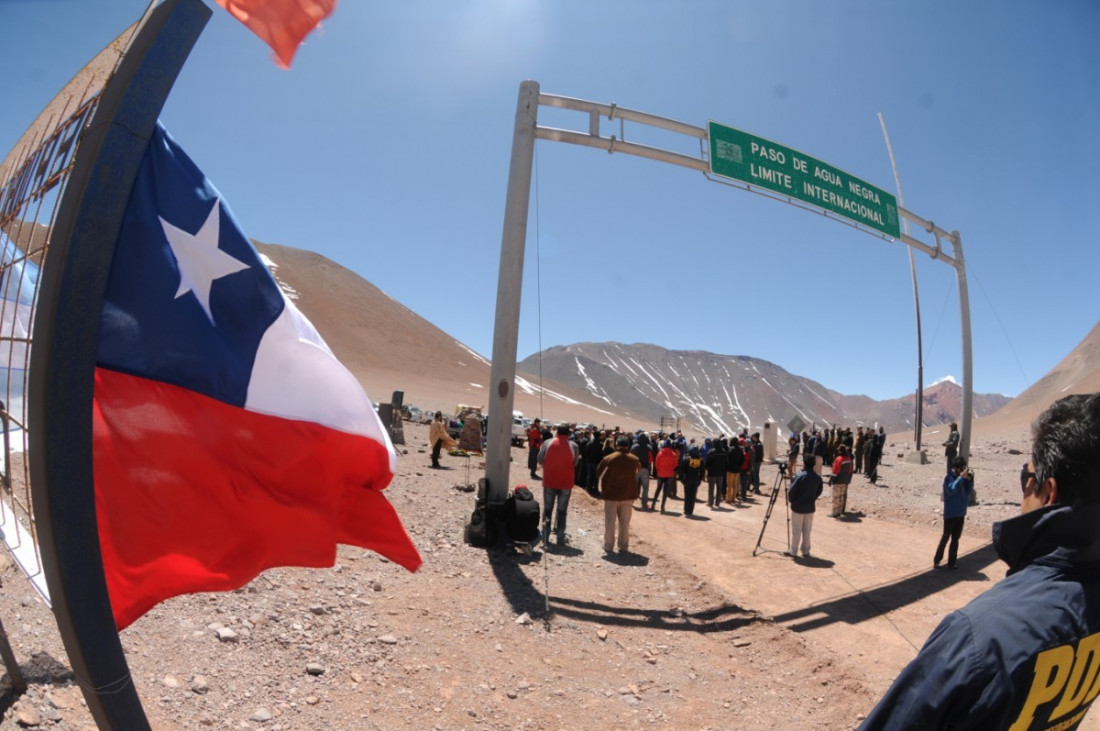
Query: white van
[[520, 423]]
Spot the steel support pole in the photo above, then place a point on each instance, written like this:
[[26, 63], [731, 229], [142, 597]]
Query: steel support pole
[[502, 377], [968, 363], [63, 358]]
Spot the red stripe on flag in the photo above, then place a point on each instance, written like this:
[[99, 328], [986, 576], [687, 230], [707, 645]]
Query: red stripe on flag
[[281, 24], [195, 495]]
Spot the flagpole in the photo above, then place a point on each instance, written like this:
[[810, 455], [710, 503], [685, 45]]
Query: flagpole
[[63, 357], [919, 417]]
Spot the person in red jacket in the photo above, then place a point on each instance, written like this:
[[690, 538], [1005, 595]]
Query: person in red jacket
[[668, 459], [841, 478], [559, 457], [534, 443], [746, 468]]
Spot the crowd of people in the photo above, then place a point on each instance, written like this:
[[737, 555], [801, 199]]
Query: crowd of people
[[1022, 655], [670, 465]]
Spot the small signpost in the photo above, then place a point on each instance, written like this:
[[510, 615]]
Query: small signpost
[[757, 161]]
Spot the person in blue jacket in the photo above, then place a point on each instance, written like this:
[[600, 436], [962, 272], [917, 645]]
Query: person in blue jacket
[[957, 486], [1026, 653]]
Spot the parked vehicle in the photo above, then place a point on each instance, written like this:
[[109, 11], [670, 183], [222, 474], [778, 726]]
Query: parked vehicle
[[454, 425], [520, 424]]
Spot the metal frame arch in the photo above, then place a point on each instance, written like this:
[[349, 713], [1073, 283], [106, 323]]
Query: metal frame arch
[[513, 241]]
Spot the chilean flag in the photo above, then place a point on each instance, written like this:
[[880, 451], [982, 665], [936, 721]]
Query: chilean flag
[[227, 437]]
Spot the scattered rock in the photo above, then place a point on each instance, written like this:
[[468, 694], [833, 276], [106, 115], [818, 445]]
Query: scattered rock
[[315, 668], [524, 618], [227, 635], [388, 640], [199, 684], [262, 715], [28, 716], [602, 634]]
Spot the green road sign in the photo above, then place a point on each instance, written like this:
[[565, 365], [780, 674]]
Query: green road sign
[[741, 156]]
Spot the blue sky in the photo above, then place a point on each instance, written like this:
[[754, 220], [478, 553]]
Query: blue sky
[[386, 148]]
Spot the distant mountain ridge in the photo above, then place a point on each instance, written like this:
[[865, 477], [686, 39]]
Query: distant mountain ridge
[[724, 393], [389, 347]]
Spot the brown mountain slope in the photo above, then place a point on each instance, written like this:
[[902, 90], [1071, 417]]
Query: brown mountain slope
[[1079, 372], [390, 348]]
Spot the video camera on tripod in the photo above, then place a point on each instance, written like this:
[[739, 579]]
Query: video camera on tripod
[[779, 486]]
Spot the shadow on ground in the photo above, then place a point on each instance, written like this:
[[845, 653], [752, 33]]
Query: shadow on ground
[[524, 596], [871, 603], [41, 669]]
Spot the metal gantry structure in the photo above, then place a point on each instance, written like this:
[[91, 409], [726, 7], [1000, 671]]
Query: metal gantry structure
[[513, 241]]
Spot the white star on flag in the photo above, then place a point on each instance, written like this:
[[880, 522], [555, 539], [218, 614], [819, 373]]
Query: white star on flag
[[199, 259]]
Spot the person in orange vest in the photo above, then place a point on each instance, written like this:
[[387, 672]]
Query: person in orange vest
[[558, 457]]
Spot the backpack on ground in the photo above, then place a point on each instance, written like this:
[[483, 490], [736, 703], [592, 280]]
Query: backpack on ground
[[480, 531]]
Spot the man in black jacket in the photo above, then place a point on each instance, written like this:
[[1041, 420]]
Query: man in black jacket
[[757, 460], [642, 451], [716, 463], [1025, 654], [593, 454], [818, 449], [803, 493]]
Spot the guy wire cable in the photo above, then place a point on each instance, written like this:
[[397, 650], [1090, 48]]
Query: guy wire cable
[[878, 610], [1000, 323], [538, 301], [538, 276]]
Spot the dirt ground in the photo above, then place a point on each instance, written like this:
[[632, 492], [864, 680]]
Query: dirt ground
[[699, 627]]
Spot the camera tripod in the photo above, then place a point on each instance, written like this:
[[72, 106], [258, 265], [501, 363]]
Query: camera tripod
[[780, 486]]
